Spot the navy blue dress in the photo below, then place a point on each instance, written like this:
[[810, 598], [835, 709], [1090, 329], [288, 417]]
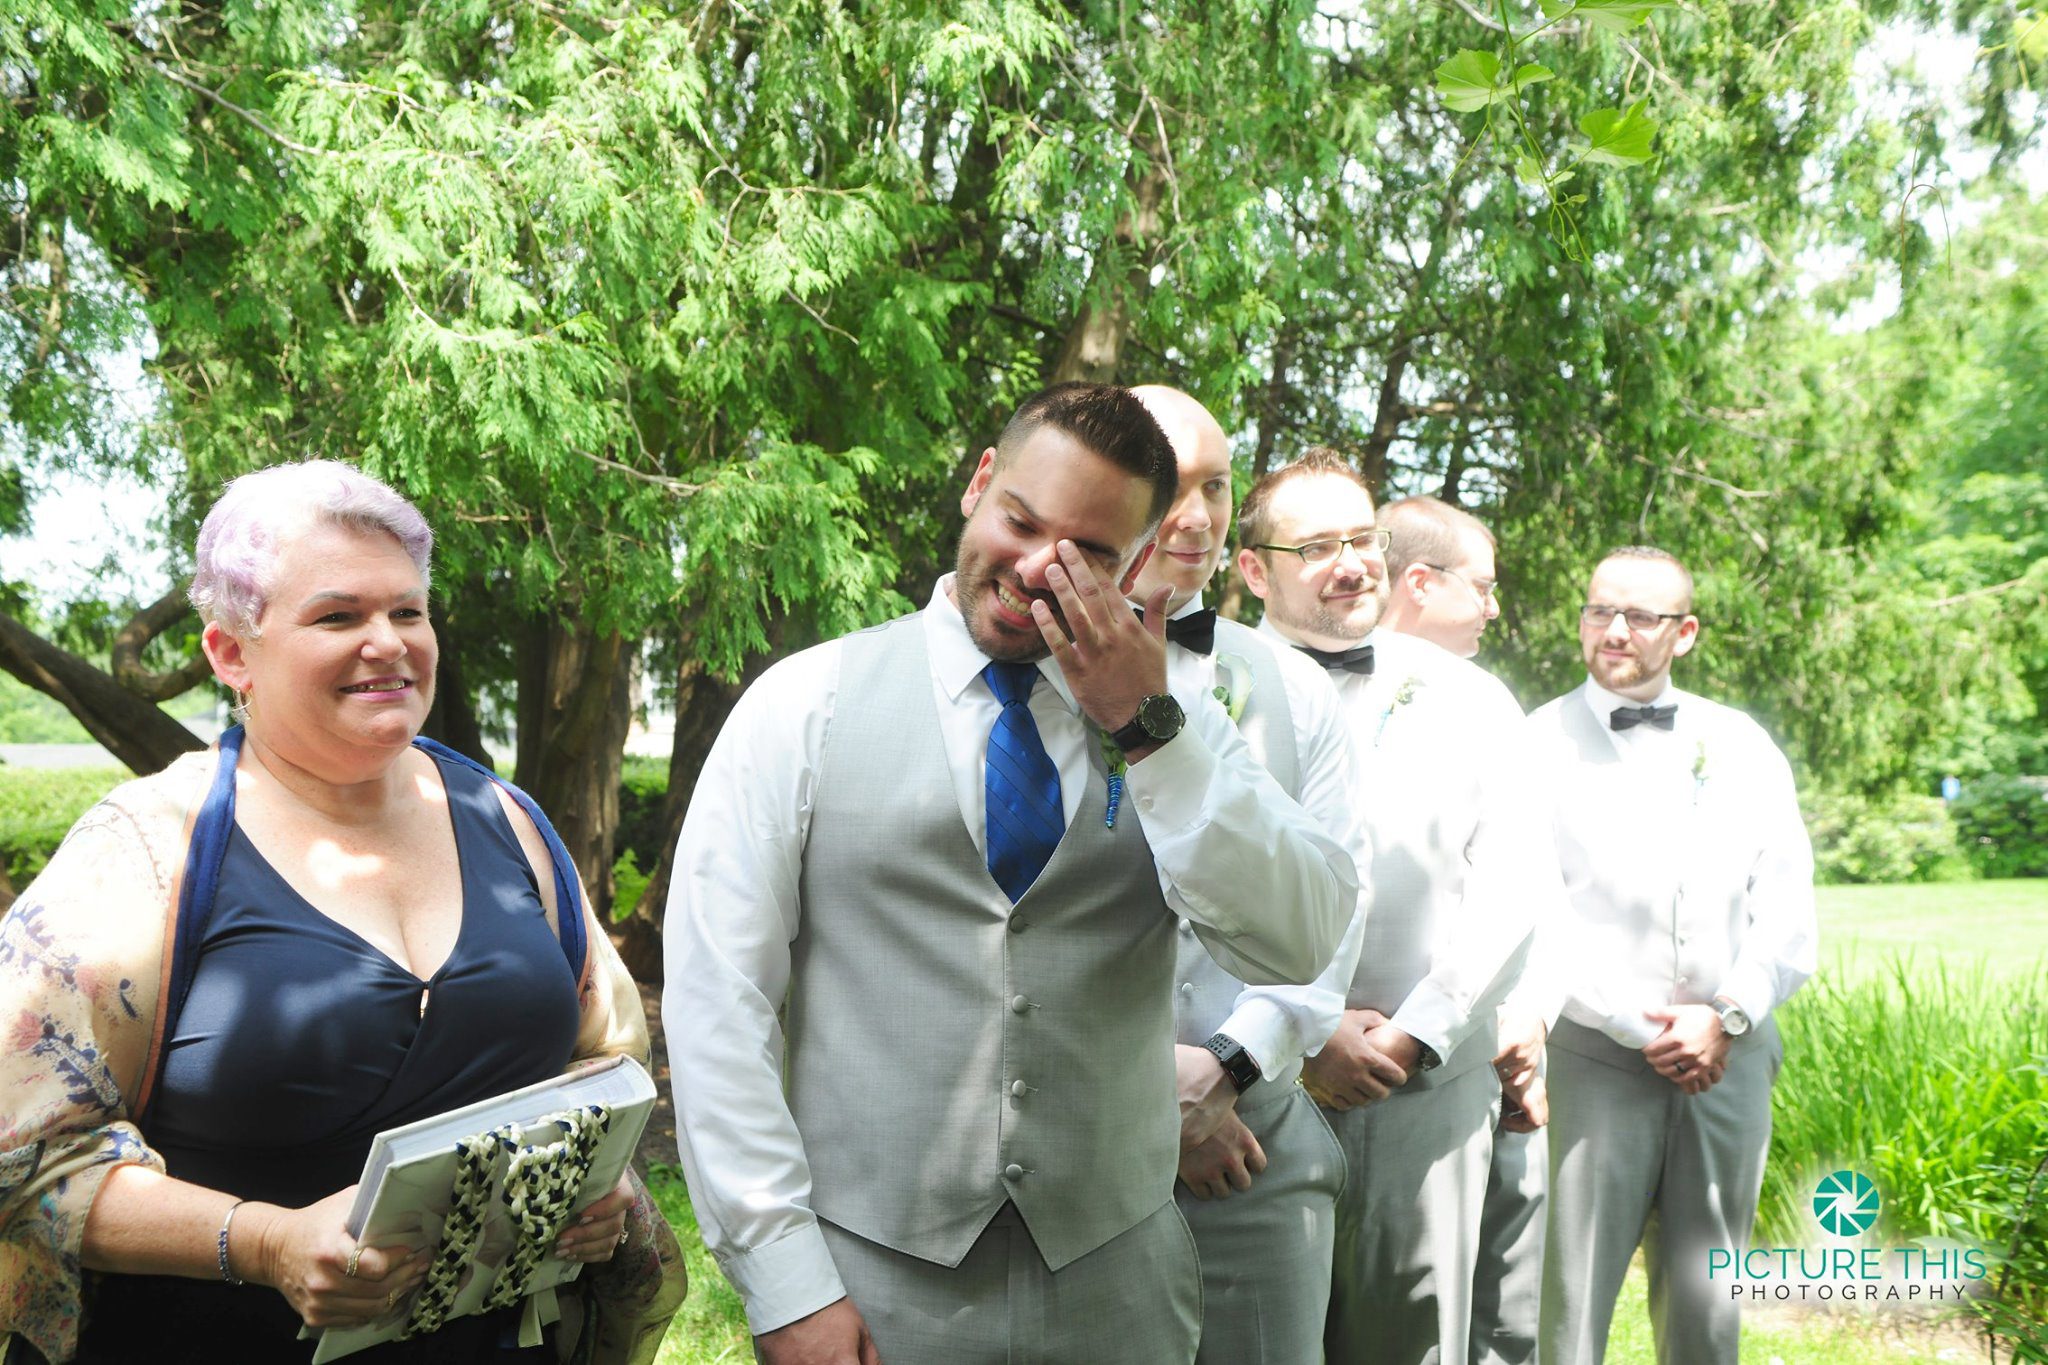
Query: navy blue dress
[[300, 1042]]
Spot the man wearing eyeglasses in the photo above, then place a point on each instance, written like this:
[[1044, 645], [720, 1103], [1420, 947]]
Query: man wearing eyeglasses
[[1440, 573], [1690, 916], [1441, 567], [1405, 1078]]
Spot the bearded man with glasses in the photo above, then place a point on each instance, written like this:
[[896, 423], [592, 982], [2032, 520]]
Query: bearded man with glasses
[[1690, 919], [1457, 844]]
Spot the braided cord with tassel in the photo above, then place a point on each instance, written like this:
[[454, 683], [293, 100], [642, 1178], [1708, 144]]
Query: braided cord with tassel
[[541, 1184], [469, 1199]]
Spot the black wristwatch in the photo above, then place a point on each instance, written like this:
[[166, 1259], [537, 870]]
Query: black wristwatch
[[1159, 719], [1238, 1064]]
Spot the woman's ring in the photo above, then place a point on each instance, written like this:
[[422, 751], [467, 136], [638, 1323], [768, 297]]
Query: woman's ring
[[624, 1233], [354, 1259], [391, 1301], [1681, 1068]]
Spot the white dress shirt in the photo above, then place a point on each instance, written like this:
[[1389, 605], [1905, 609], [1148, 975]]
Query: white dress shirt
[[1686, 864], [1279, 1025], [1228, 844], [1456, 838]]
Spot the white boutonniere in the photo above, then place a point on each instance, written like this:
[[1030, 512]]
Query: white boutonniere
[[1235, 687], [1403, 695], [1699, 771]]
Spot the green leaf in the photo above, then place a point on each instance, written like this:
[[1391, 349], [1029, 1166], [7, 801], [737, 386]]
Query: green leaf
[[1619, 137], [1466, 80], [1612, 15], [2030, 33]]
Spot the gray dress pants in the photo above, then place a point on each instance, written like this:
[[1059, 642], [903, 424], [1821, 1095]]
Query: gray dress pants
[[1408, 1223], [1266, 1251], [1634, 1160], [1134, 1300], [1507, 1287]]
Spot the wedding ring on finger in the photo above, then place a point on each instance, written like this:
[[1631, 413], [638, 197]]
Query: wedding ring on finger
[[624, 1233], [355, 1257]]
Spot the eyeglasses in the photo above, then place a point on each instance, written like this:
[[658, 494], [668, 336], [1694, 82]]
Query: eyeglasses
[[1485, 592], [1638, 619], [1315, 552]]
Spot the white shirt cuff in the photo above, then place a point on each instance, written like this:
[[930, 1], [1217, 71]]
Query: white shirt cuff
[[1266, 1032], [1429, 1017], [789, 1278], [1750, 993], [1170, 785]]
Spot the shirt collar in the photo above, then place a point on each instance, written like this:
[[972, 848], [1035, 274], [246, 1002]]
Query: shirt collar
[[956, 661], [1603, 703]]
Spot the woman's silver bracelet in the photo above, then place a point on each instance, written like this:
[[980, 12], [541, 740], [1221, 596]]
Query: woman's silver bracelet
[[225, 1223]]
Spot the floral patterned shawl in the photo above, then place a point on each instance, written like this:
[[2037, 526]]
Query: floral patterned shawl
[[82, 959]]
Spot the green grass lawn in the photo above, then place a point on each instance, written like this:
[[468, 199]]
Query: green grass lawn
[[1971, 932], [1999, 928]]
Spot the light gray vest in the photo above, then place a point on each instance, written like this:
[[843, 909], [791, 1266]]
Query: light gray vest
[[945, 1052], [1205, 994]]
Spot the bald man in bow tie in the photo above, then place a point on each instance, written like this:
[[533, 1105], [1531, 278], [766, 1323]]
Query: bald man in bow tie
[[1690, 919]]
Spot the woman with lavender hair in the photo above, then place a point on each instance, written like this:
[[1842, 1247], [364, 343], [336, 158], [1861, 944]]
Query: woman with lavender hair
[[185, 1116]]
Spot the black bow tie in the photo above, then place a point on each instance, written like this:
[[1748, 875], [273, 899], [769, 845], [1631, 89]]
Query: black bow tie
[[1628, 717], [1355, 660], [1195, 631]]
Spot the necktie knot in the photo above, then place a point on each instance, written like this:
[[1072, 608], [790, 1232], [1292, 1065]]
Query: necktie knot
[[1656, 717], [1011, 682]]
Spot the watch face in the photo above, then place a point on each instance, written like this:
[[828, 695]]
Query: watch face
[[1160, 715]]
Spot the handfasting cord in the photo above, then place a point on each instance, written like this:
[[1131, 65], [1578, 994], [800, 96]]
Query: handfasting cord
[[468, 1199], [541, 1185]]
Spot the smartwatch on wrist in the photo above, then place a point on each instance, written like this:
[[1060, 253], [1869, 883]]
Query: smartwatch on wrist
[[1237, 1063]]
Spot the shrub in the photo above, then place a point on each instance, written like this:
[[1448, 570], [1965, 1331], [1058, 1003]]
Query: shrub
[[2002, 826], [37, 807], [643, 787], [1904, 839]]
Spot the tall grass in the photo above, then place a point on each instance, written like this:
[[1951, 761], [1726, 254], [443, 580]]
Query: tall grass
[[1934, 1083], [1925, 1080]]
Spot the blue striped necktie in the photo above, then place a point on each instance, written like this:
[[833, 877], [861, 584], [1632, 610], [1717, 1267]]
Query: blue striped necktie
[[1023, 787]]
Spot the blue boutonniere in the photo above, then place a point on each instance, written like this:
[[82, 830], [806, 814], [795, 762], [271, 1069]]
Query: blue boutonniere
[[1113, 759]]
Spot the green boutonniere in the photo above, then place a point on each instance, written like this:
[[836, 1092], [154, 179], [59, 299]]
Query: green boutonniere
[[1403, 695], [1699, 771]]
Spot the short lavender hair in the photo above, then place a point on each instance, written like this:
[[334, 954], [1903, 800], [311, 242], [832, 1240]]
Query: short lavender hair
[[242, 535]]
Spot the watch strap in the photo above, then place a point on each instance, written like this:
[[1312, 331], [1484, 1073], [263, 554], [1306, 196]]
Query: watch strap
[[1238, 1064]]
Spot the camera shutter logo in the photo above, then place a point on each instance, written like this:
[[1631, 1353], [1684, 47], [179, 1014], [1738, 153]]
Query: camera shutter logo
[[1846, 1203]]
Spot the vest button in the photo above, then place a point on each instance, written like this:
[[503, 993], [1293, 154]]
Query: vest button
[[1013, 1172], [1187, 988], [1017, 924], [1018, 1088], [1019, 1005]]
